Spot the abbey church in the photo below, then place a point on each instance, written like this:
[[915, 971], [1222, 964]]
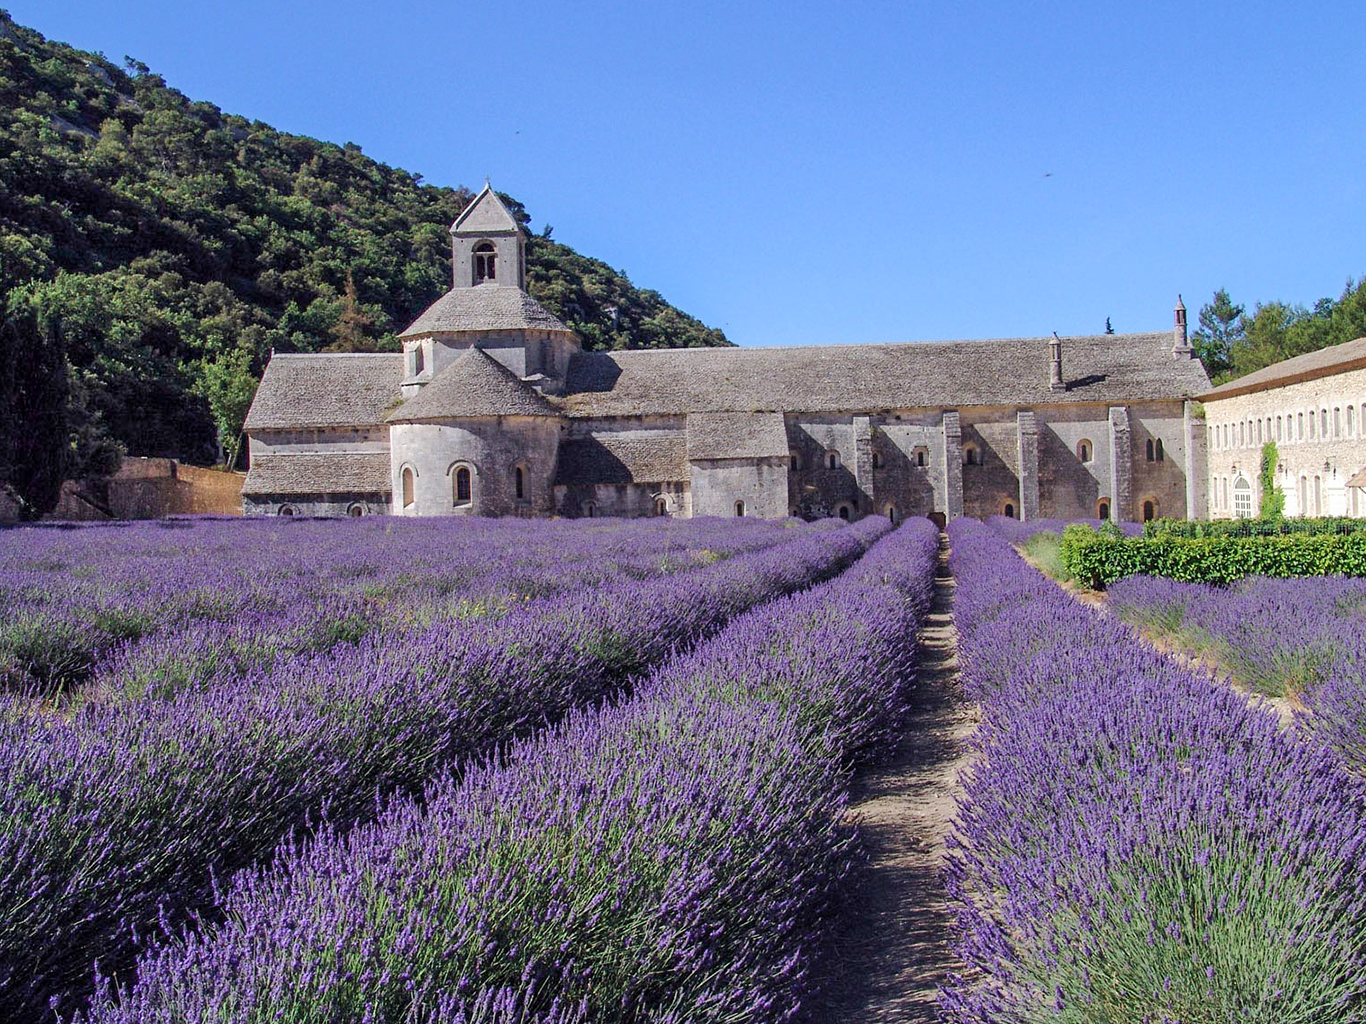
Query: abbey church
[[494, 409]]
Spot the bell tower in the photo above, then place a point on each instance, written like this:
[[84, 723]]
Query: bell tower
[[488, 248]]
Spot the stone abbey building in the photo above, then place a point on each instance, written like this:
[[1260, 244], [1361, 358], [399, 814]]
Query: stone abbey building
[[493, 408]]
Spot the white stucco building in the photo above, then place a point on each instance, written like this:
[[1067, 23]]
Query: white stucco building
[[1311, 406]]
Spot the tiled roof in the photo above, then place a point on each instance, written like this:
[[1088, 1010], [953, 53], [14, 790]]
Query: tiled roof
[[487, 307], [319, 473], [736, 435], [475, 384], [328, 390], [848, 378], [1350, 355], [623, 457]]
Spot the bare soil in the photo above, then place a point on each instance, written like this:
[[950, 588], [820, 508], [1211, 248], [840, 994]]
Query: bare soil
[[890, 951]]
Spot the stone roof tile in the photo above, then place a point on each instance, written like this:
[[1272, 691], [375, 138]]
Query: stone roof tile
[[1350, 355], [850, 378], [319, 473], [487, 307], [736, 435], [623, 457], [475, 384], [326, 390]]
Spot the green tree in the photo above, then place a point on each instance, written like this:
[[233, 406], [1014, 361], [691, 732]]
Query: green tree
[[1221, 327], [1273, 498], [33, 426], [228, 385]]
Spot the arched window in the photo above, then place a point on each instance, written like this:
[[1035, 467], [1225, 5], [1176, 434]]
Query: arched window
[[1259, 430], [1337, 422], [1318, 495], [1009, 510], [461, 485], [520, 475], [1152, 455], [891, 513], [1159, 449], [1242, 497], [922, 456], [355, 510], [795, 459], [288, 510], [1279, 432], [1103, 509], [407, 486], [1323, 424], [1149, 510], [1302, 496], [1299, 420], [1084, 450], [1351, 421], [661, 507], [971, 455], [832, 460], [843, 512], [739, 508], [485, 262], [877, 460], [590, 509], [1311, 424]]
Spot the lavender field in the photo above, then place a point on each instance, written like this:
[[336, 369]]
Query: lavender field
[[347, 713], [1137, 842]]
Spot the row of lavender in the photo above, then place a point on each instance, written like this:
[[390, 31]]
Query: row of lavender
[[1136, 841], [257, 590], [124, 812], [668, 859], [1300, 637]]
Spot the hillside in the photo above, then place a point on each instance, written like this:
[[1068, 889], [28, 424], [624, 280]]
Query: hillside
[[169, 247]]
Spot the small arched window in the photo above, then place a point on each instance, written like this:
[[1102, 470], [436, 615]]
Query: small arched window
[[1103, 509], [590, 509], [1311, 425], [739, 508], [355, 510], [922, 457], [832, 460], [1009, 510], [407, 487], [1149, 511], [1084, 450], [891, 514], [462, 485], [485, 263], [1351, 421], [794, 459], [1159, 449], [661, 507], [843, 512], [1337, 422], [1280, 434], [877, 460], [520, 475], [288, 510], [1299, 420], [971, 456]]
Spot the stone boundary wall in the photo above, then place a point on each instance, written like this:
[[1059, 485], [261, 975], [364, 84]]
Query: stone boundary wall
[[145, 489]]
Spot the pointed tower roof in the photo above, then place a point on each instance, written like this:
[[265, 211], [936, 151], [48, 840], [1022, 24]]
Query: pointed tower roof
[[474, 385], [486, 215]]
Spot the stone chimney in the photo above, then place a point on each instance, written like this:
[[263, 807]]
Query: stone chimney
[[1055, 369], [1181, 345]]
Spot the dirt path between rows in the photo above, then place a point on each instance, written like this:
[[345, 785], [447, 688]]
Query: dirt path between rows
[[891, 947]]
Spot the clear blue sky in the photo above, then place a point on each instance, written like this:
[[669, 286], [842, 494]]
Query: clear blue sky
[[805, 173]]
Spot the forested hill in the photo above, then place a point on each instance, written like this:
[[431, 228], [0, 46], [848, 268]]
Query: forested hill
[[170, 246]]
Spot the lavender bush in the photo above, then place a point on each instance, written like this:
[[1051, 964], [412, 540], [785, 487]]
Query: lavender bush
[[1136, 842], [122, 813], [666, 859], [1305, 637]]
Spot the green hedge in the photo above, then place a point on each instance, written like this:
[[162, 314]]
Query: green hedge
[[1096, 559], [1249, 527]]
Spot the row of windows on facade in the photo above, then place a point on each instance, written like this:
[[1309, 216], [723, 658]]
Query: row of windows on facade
[[462, 485], [972, 455], [1308, 496], [1314, 425]]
